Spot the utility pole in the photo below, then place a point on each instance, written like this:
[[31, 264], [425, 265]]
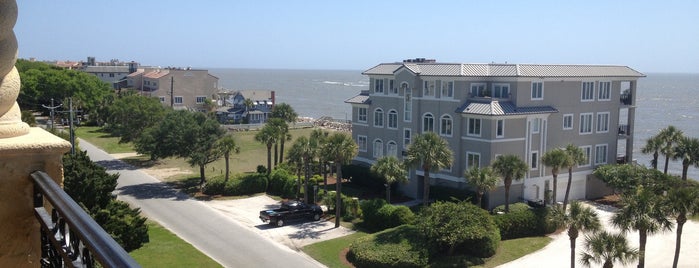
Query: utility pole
[[71, 129], [172, 92], [52, 108]]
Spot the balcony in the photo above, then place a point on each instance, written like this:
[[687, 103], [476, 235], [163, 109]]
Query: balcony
[[626, 98], [623, 131]]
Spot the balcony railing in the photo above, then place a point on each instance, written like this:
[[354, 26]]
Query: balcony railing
[[69, 236], [623, 130], [626, 98]]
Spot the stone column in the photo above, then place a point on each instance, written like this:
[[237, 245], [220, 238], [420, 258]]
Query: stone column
[[22, 150]]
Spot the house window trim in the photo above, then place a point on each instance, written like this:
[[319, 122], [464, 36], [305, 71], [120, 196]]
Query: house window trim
[[608, 91], [407, 103], [174, 100], [597, 126], [477, 94], [588, 157], [200, 102], [424, 117], [477, 154], [541, 93], [395, 147], [606, 154], [501, 85], [582, 91], [534, 158], [429, 89], [470, 132], [450, 90], [359, 114], [366, 140], [395, 122], [378, 86], [500, 128], [536, 122], [442, 123], [409, 138], [591, 123], [378, 121], [572, 118], [374, 152], [392, 89]]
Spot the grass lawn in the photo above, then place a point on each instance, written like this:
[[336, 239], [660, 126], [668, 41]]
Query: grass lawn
[[167, 250], [513, 249], [328, 252], [103, 140]]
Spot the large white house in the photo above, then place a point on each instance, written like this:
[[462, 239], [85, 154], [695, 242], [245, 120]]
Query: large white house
[[486, 110]]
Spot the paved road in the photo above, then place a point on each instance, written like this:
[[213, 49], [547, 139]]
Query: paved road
[[217, 236]]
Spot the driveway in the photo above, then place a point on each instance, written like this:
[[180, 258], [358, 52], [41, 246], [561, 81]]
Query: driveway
[[294, 235], [660, 248]]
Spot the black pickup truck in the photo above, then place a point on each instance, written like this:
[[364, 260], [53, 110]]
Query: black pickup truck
[[291, 210]]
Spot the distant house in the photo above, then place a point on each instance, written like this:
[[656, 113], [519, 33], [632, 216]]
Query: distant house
[[113, 72], [181, 88], [235, 110]]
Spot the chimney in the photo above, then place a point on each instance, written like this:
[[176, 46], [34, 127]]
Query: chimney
[[273, 99]]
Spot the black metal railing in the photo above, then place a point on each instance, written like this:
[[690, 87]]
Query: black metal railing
[[626, 98], [623, 130], [69, 236]]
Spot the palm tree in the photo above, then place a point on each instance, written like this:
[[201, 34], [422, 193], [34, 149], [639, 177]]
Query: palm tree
[[607, 248], [227, 146], [687, 150], [653, 145], [682, 200], [483, 179], [509, 167], [282, 129], [295, 158], [268, 136], [302, 149], [643, 212], [341, 149], [670, 136], [392, 170], [429, 152], [577, 157], [317, 139], [556, 159], [285, 112], [580, 219]]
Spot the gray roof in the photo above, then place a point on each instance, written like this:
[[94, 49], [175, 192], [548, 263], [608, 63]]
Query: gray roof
[[494, 108], [505, 70], [362, 98]]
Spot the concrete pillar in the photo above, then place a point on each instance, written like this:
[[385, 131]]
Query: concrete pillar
[[22, 150], [631, 116]]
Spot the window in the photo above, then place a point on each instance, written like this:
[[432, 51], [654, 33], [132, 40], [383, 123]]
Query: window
[[378, 85], [407, 106], [537, 90], [587, 152], [534, 163], [474, 127], [406, 137], [378, 148], [536, 125], [162, 99], [588, 91], [392, 149], [445, 126], [477, 89], [600, 154], [179, 100], [427, 123], [378, 118], [391, 87], [361, 115], [567, 121], [392, 119], [361, 143], [200, 99], [447, 89], [500, 128], [501, 91], [605, 89], [602, 122], [586, 123], [473, 160], [428, 89], [111, 75]]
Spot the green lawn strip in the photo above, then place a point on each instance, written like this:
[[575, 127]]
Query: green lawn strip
[[165, 249], [328, 252], [513, 249], [103, 140]]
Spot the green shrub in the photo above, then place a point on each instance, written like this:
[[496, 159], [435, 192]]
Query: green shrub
[[397, 247], [245, 185], [513, 207], [370, 210], [402, 215], [350, 206], [261, 169], [124, 224], [282, 183], [28, 117], [529, 222], [214, 186], [444, 193]]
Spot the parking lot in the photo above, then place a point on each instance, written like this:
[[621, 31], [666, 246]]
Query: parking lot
[[294, 235]]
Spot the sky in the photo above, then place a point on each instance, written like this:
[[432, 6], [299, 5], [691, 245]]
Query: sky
[[649, 36]]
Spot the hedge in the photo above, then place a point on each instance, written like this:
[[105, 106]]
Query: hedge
[[528, 222], [239, 185], [398, 247], [282, 183], [379, 215]]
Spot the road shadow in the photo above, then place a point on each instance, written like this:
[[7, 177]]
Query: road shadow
[[115, 164], [156, 190]]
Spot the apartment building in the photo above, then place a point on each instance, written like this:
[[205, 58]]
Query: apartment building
[[486, 110], [181, 88]]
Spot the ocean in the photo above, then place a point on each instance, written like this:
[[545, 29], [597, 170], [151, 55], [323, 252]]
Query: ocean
[[663, 99]]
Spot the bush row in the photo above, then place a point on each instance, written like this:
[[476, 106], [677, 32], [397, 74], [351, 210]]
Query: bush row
[[527, 222], [239, 185], [379, 215]]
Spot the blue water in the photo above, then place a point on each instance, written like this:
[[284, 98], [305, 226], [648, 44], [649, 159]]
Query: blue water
[[663, 99]]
